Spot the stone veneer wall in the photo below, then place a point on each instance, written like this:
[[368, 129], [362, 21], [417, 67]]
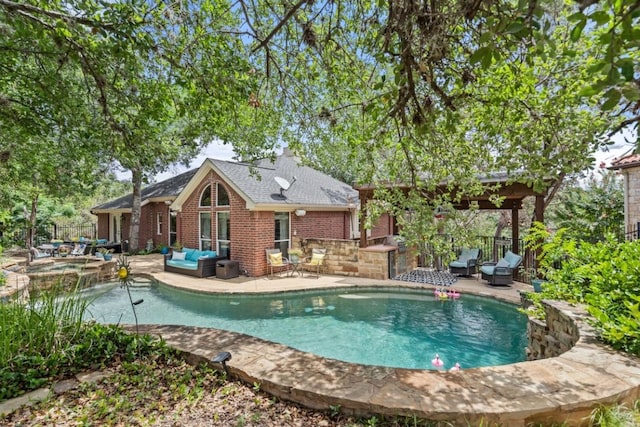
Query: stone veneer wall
[[632, 197], [341, 258], [558, 333]]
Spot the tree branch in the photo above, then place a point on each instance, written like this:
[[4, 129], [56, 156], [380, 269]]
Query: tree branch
[[280, 24]]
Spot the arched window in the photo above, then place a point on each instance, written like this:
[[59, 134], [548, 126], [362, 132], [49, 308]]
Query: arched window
[[223, 196], [205, 198]]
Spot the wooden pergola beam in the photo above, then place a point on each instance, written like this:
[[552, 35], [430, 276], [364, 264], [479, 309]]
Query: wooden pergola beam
[[512, 195]]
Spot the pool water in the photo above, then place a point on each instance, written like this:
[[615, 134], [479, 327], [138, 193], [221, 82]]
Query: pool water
[[372, 326]]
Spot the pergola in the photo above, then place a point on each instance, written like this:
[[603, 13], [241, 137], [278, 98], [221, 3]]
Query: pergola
[[513, 193]]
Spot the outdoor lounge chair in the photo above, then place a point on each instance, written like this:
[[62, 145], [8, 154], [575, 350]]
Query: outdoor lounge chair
[[36, 253], [276, 261], [467, 262], [78, 249], [316, 262], [501, 273]]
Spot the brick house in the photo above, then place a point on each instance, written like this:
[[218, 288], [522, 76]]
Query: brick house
[[629, 167], [227, 207]]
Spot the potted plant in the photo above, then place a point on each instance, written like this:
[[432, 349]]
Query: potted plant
[[106, 253], [294, 255], [177, 246], [63, 250]]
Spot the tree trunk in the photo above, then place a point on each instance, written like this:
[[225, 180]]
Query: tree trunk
[[134, 234], [32, 229], [503, 222]]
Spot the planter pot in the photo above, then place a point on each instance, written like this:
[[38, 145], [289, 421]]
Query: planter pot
[[107, 257], [99, 255], [294, 258], [164, 250], [537, 284]]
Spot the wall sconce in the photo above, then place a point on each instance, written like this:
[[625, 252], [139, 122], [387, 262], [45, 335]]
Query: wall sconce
[[300, 212]]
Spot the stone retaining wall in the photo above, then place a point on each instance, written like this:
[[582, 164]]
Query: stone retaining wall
[[559, 332]]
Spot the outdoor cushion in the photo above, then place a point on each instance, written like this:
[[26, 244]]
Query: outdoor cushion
[[459, 264], [512, 259], [316, 259], [487, 269], [192, 254], [503, 263], [178, 256], [187, 265], [467, 254], [207, 254], [276, 259]]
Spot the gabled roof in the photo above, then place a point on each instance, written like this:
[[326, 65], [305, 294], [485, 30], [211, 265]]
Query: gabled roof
[[628, 161], [157, 192], [309, 189]]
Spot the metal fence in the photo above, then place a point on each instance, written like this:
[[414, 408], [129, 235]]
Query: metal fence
[[632, 232], [66, 232]]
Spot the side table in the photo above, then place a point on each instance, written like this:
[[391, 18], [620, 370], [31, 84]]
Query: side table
[[295, 269]]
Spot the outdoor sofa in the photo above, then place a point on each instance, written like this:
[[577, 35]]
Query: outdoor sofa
[[192, 262]]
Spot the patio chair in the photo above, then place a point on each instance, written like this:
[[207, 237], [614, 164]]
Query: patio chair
[[276, 261], [467, 262], [501, 273], [316, 262], [36, 253], [78, 249]]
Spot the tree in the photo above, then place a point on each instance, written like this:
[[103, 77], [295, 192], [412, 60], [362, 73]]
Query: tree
[[426, 93], [591, 211], [154, 81]]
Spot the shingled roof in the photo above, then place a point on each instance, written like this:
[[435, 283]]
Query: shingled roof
[[309, 188]]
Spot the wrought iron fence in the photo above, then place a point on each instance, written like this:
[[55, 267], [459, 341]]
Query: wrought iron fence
[[632, 232], [65, 232]]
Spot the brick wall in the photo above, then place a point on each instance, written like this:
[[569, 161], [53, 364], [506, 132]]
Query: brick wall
[[321, 225], [383, 228]]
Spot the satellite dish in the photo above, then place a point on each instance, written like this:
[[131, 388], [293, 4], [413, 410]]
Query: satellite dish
[[283, 183]]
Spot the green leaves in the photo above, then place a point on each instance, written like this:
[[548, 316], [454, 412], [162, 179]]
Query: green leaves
[[483, 56]]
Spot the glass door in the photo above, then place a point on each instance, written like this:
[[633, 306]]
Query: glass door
[[224, 234]]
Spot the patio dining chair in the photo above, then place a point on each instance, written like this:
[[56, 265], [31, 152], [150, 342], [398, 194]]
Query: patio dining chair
[[316, 262], [276, 261]]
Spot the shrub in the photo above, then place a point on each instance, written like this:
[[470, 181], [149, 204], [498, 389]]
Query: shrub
[[47, 340], [605, 276]]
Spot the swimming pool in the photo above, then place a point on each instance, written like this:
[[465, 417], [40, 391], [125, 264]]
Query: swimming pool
[[372, 326]]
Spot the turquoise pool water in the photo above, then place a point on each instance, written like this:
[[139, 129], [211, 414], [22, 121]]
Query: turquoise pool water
[[372, 326]]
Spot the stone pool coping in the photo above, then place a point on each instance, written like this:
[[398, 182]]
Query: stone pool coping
[[562, 389]]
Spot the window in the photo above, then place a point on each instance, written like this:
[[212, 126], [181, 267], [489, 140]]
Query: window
[[159, 223], [224, 234], [223, 196], [205, 231], [173, 228], [205, 198], [282, 232]]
